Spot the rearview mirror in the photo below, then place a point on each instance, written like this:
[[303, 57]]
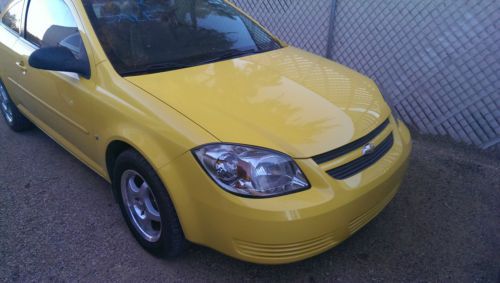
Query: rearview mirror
[[59, 59]]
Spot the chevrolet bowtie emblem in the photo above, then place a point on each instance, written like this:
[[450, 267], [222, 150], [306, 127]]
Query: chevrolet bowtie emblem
[[368, 149]]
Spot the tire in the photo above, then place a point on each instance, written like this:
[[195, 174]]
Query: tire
[[13, 117], [164, 239]]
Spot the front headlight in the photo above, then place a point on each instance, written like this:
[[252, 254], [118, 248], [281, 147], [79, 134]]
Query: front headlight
[[251, 171]]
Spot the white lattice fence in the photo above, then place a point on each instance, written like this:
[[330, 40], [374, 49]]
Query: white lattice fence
[[437, 61]]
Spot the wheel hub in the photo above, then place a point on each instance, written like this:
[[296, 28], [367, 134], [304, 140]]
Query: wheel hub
[[141, 205]]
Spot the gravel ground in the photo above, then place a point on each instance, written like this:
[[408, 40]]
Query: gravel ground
[[59, 222]]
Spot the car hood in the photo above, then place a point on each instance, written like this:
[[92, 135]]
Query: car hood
[[287, 100]]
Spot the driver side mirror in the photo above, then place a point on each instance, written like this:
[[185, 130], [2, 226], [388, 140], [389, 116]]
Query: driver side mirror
[[59, 59]]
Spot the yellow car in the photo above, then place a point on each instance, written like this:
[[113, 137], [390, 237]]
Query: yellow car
[[209, 129]]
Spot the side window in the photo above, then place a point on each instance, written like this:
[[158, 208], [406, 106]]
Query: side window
[[49, 23], [3, 4], [12, 18]]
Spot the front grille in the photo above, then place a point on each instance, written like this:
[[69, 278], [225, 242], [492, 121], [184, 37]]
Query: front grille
[[354, 167], [322, 158]]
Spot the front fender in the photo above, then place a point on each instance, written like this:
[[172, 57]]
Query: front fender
[[126, 113]]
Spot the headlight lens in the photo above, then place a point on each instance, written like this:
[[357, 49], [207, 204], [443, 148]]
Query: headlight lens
[[250, 171]]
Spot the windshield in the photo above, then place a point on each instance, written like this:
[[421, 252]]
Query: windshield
[[146, 36]]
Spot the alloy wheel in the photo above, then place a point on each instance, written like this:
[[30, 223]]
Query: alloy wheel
[[141, 205], [5, 105]]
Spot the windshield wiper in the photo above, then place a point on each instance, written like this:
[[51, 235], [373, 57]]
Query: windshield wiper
[[155, 68], [233, 53], [170, 66]]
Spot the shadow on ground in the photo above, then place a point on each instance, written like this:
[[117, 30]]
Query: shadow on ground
[[58, 221]]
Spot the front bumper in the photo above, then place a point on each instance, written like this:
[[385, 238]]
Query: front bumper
[[287, 228]]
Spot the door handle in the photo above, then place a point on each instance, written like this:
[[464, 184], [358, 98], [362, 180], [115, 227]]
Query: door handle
[[22, 66]]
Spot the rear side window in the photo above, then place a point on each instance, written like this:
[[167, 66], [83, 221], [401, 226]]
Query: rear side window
[[12, 18], [49, 23]]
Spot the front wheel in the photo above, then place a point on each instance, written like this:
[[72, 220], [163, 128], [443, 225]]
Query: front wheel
[[16, 121], [146, 206]]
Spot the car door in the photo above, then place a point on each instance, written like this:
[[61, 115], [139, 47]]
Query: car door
[[58, 102]]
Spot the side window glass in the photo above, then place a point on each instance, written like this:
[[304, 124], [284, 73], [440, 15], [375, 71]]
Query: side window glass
[[49, 23], [12, 18], [3, 4]]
